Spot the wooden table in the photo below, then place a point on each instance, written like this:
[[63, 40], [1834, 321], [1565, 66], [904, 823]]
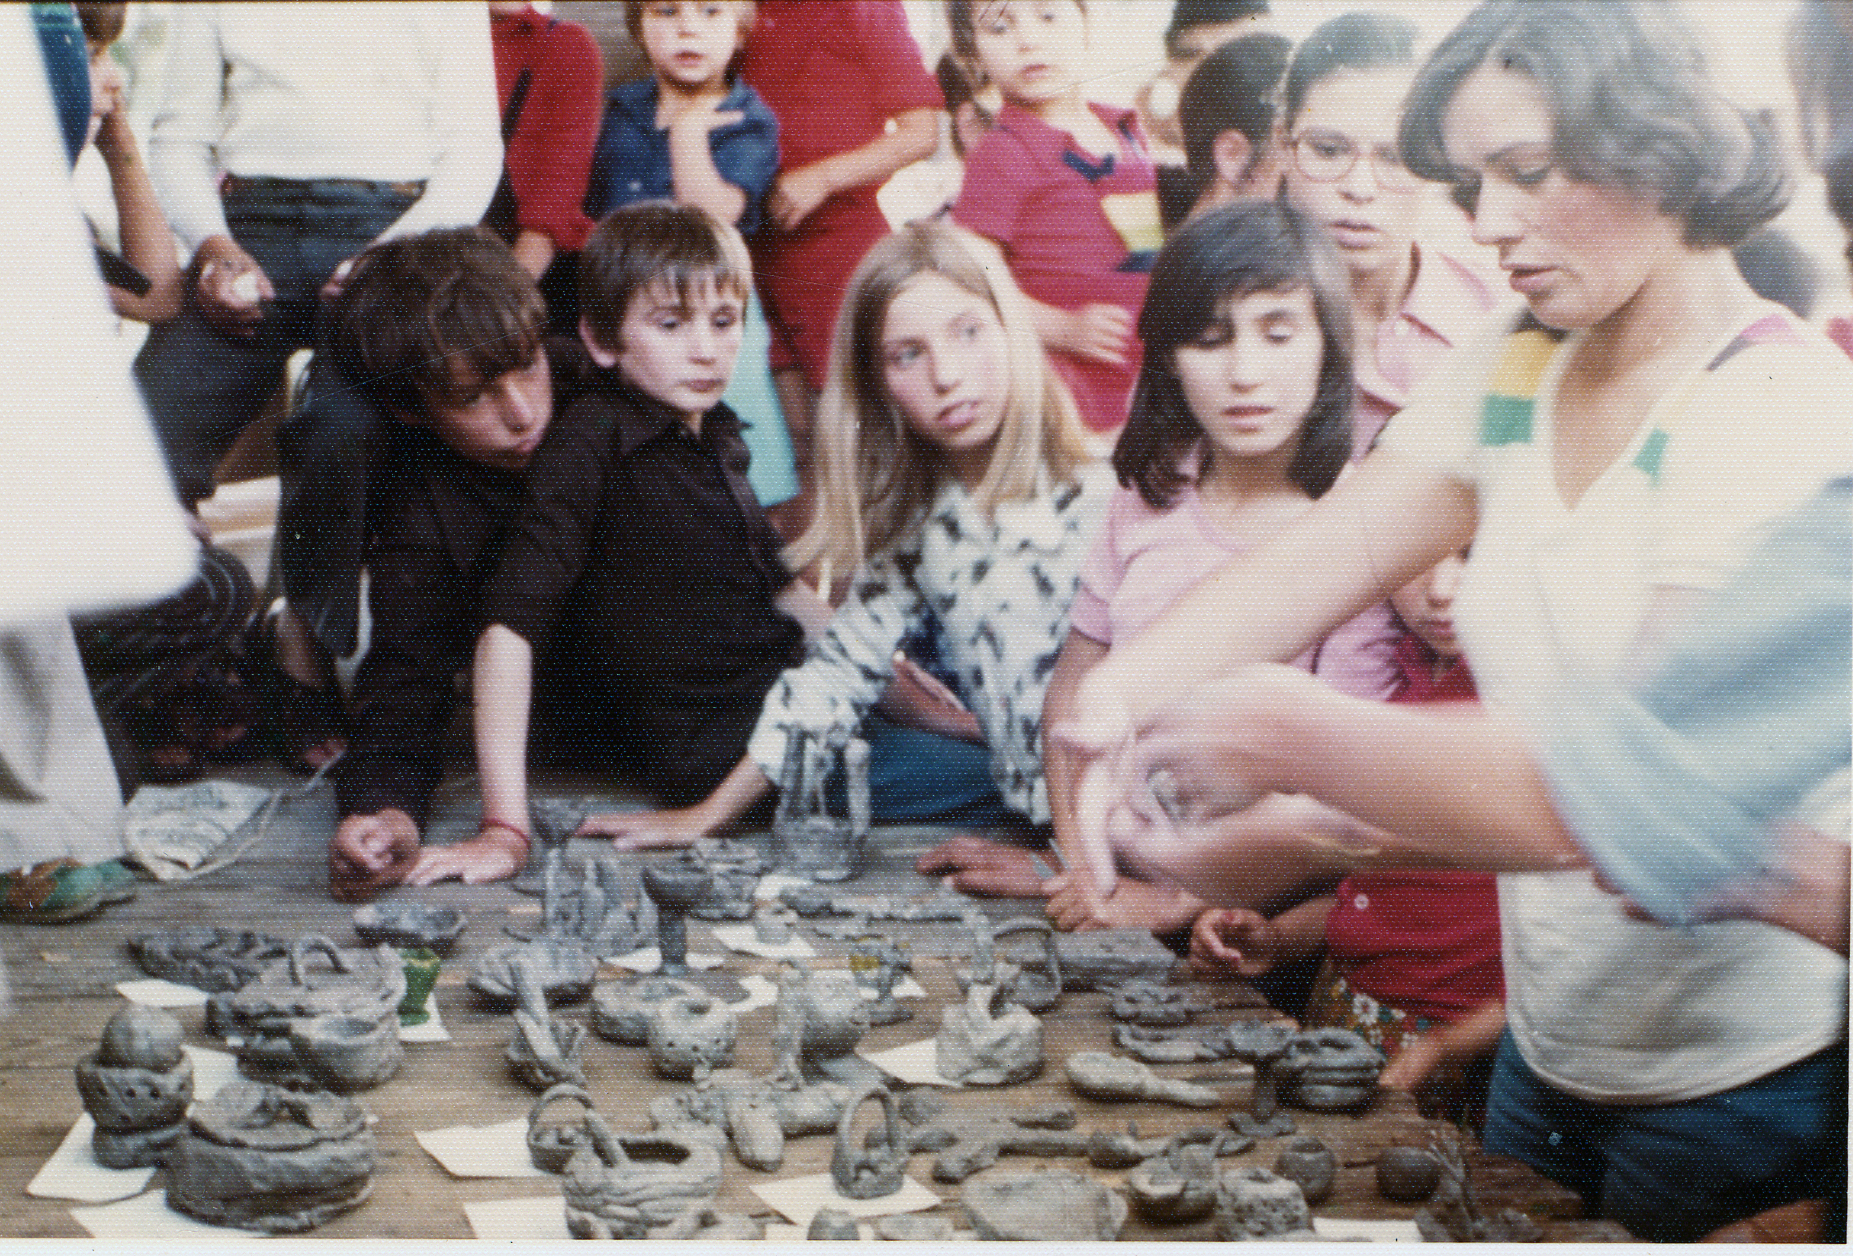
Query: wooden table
[[62, 984]]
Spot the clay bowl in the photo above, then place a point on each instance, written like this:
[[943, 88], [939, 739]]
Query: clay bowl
[[409, 924]]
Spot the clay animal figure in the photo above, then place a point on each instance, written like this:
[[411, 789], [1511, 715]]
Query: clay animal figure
[[877, 1169], [806, 837], [635, 1186], [1253, 1203], [136, 1085], [258, 1157], [1103, 1075], [1055, 1206], [819, 1019], [1329, 1070], [969, 1145]]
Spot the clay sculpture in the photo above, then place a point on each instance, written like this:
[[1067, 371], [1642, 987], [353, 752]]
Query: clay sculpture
[[136, 1085], [1101, 958], [877, 1169], [552, 1144], [1176, 1186], [422, 966], [1172, 1046], [1055, 1206], [1311, 1165], [820, 1018], [880, 962], [564, 967], [1262, 1045], [623, 1012], [1103, 1075], [734, 869], [217, 961], [257, 1157], [757, 1116], [544, 1052], [691, 1036], [1453, 1215], [1408, 1175], [675, 886], [833, 1225], [1253, 1203], [773, 923], [1038, 982], [1153, 1005], [967, 1146], [1329, 1070], [806, 838], [588, 905], [985, 1041], [409, 925], [337, 1021], [632, 1186]]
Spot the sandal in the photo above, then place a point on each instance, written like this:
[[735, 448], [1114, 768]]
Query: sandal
[[52, 892]]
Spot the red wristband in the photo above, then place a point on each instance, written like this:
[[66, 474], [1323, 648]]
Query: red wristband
[[526, 841]]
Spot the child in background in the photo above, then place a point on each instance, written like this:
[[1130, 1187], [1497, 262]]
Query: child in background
[[696, 133], [1411, 958], [954, 484], [1066, 189], [855, 104], [639, 570], [1230, 114], [1240, 421]]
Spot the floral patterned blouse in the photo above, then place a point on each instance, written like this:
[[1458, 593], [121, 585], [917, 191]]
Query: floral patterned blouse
[[1000, 589]]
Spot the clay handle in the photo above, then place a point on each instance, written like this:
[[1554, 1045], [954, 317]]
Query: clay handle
[[302, 948], [603, 1142], [564, 1090]]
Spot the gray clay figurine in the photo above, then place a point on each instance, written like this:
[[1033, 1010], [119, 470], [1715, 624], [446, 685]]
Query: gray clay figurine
[[773, 923], [876, 1170], [588, 905], [806, 838], [258, 1157], [214, 960], [734, 869], [819, 1019], [1055, 1206], [623, 1012], [1262, 1045], [691, 1036], [551, 1143], [1311, 1164], [634, 1186], [675, 886], [1037, 985], [1103, 1075], [1329, 1070], [563, 966], [1408, 1175], [544, 1052], [1253, 1203], [409, 925], [332, 1022], [881, 962], [985, 1041], [136, 1086], [1453, 1214]]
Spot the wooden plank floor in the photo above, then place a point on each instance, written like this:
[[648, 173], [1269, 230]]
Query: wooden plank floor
[[62, 982]]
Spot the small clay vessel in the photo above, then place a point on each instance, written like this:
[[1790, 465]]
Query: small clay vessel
[[1408, 1175], [1038, 982], [136, 1086], [877, 1170], [691, 1036], [1311, 1164], [409, 925], [1175, 1187], [1057, 1206], [551, 1145], [422, 967], [345, 1052], [359, 990], [623, 1013], [629, 1186], [675, 887], [258, 1157]]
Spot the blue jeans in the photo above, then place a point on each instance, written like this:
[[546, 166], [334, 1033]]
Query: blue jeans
[[1673, 1173], [917, 777], [204, 386]]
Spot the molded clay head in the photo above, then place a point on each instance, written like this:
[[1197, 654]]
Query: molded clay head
[[141, 1037]]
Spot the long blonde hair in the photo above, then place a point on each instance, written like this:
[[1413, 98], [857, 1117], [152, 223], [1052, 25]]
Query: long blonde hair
[[875, 477]]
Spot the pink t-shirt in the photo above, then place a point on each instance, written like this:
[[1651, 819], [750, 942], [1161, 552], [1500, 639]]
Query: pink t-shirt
[[1143, 560], [1446, 304]]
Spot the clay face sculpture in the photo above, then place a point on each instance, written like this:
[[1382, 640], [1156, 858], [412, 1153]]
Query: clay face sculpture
[[1103, 1075], [691, 1036], [1056, 1206], [633, 1186], [623, 1013], [806, 838], [675, 887], [878, 1169], [820, 1018], [324, 1012], [544, 1052], [1329, 1070], [260, 1158], [1311, 1164], [1108, 957], [136, 1085], [1253, 1203], [551, 1145], [564, 968], [214, 960], [409, 925]]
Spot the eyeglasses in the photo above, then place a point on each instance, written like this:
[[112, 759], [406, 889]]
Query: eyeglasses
[[1327, 156]]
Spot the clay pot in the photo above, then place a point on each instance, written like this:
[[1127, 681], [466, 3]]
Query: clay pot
[[348, 1053], [260, 1158], [1175, 1188], [409, 925], [136, 1086], [623, 1013], [1408, 1175], [364, 986], [691, 1036], [422, 966], [626, 1187], [551, 1146], [1311, 1164]]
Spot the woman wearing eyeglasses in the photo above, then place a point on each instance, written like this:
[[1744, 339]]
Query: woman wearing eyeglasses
[[1410, 304]]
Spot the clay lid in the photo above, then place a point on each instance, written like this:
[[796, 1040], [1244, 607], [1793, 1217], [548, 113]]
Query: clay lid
[[319, 978], [269, 1118]]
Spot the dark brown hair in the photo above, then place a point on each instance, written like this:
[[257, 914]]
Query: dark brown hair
[[650, 241]]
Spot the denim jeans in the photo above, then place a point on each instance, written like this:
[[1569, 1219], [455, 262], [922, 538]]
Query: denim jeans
[[917, 777], [205, 386], [1673, 1173]]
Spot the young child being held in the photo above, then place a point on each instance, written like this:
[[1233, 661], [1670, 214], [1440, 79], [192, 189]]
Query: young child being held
[[1411, 958], [1240, 420], [953, 482], [1066, 188], [640, 567]]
